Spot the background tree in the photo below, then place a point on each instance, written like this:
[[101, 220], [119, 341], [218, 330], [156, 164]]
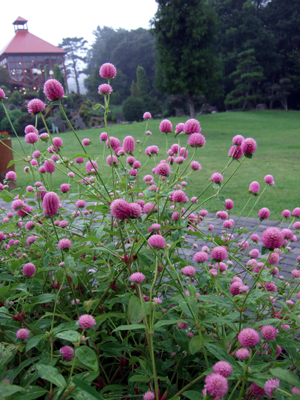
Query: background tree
[[4, 78], [142, 81], [76, 50], [185, 34], [58, 75]]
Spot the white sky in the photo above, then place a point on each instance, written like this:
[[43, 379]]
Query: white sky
[[53, 20]]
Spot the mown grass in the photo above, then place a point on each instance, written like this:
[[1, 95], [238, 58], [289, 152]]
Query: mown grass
[[277, 134]]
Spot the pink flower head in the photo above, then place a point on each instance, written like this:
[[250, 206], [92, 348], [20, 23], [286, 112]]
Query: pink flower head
[[114, 142], [296, 212], [295, 273], [287, 234], [272, 238], [192, 126], [248, 337], [29, 269], [269, 179], [219, 253], [165, 126], [135, 210], [149, 207], [137, 277], [80, 203], [86, 321], [147, 115], [128, 144], [35, 106], [274, 258], [229, 204], [254, 187], [49, 166], [65, 187], [107, 71], [31, 138], [264, 213], [64, 244], [136, 164], [235, 152], [254, 253], [91, 167], [29, 129], [200, 256], [120, 209], [151, 150], [149, 396], [268, 332], [216, 177], [238, 140], [223, 368], [249, 146], [196, 140], [163, 169], [50, 204], [103, 136], [148, 133], [79, 160], [36, 154], [256, 391], [216, 385], [269, 387], [222, 214], [53, 90], [157, 241], [295, 390], [286, 213], [11, 175], [22, 334], [67, 352], [114, 162], [2, 94], [242, 353], [254, 237], [85, 142], [179, 128], [188, 270], [178, 196], [105, 89]]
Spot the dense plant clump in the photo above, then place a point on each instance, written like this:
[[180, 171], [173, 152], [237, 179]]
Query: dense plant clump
[[119, 289]]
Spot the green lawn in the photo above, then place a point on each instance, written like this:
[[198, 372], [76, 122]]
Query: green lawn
[[277, 134]]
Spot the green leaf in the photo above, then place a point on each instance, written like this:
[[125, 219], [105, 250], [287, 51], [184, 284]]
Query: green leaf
[[87, 357], [96, 106], [195, 345], [221, 301], [220, 353], [248, 155], [135, 310], [264, 250], [219, 241], [31, 393], [6, 389], [4, 290], [139, 378], [129, 327], [33, 342], [12, 163], [80, 155], [191, 394], [221, 198], [85, 387], [43, 298], [71, 336], [110, 314], [51, 374], [166, 322], [286, 376]]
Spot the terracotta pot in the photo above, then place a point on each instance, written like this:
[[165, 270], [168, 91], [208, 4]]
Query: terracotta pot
[[6, 155]]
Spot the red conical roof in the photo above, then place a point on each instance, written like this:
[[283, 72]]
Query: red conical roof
[[25, 42], [20, 21]]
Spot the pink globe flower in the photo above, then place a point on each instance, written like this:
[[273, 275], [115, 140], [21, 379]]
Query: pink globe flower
[[91, 167], [295, 273], [216, 177], [148, 133], [64, 244], [157, 241], [200, 257], [114, 162], [29, 129], [216, 385], [254, 253], [254, 237], [105, 89], [274, 258], [163, 169], [248, 337], [268, 332], [219, 253], [29, 269], [103, 136], [178, 196], [31, 138], [296, 212], [35, 106], [149, 207], [22, 334], [149, 396], [11, 175], [264, 213], [196, 140], [86, 321], [128, 144], [223, 368], [235, 152], [179, 128], [2, 94], [120, 209], [188, 270], [229, 204], [107, 71], [295, 390], [50, 204], [67, 352], [65, 187], [269, 387], [135, 210], [242, 353], [254, 187], [53, 90], [269, 179], [272, 238], [80, 203], [85, 142], [256, 391], [249, 146], [192, 126], [114, 142], [238, 140], [49, 166], [137, 277], [147, 115], [286, 213], [165, 126], [287, 234]]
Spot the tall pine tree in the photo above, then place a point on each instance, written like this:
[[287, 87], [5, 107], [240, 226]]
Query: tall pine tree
[[185, 32]]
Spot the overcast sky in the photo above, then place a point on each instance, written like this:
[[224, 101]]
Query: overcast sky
[[53, 20]]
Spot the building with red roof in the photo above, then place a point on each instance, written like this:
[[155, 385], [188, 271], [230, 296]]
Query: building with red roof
[[29, 59]]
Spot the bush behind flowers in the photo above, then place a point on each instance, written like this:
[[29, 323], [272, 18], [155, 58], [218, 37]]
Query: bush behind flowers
[[105, 292]]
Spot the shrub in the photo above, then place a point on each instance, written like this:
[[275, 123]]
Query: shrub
[[133, 109]]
